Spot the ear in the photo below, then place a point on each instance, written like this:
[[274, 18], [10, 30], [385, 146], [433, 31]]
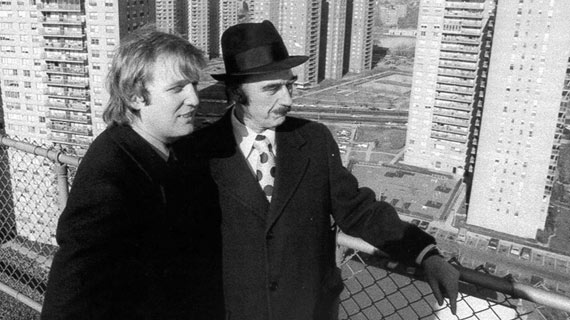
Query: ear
[[137, 102]]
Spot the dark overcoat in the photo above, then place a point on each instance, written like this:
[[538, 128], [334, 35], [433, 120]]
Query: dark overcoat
[[279, 258], [136, 238]]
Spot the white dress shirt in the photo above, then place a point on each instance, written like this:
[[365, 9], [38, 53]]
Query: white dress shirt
[[244, 139]]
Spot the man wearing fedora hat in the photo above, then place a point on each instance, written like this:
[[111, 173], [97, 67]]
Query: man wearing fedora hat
[[280, 181]]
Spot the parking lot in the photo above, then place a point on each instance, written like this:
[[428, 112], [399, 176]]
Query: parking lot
[[540, 268]]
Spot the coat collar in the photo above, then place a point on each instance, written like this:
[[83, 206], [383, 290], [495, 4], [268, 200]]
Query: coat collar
[[231, 172], [140, 151]]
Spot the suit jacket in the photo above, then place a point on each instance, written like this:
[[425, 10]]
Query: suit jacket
[[279, 258], [136, 238]]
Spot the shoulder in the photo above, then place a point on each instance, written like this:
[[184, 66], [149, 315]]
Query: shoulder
[[309, 129], [105, 146]]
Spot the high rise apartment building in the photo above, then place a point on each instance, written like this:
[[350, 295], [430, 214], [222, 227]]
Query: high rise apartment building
[[199, 24], [227, 16], [172, 16], [299, 25], [360, 46], [54, 56], [333, 34], [451, 59], [208, 19], [523, 117]]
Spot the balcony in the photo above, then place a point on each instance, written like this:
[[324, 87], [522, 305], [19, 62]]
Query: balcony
[[67, 94], [461, 40], [458, 82], [77, 141], [62, 33], [57, 116], [58, 7], [60, 57], [374, 287], [462, 31], [458, 65], [459, 48], [465, 5], [454, 97], [65, 83], [464, 22], [453, 105], [451, 113], [77, 70], [67, 20], [449, 137], [459, 57], [65, 128], [76, 45], [450, 129], [71, 106], [451, 121], [450, 72], [462, 14]]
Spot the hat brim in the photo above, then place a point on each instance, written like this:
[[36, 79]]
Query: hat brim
[[288, 63]]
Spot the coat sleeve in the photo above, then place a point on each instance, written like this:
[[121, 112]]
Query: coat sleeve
[[95, 264], [358, 213]]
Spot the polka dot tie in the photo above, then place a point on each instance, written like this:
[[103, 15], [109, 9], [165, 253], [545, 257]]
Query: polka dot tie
[[265, 169]]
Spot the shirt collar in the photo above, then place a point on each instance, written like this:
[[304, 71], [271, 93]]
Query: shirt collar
[[245, 136]]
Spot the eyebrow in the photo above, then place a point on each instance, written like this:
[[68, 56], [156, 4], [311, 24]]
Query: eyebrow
[[181, 82], [272, 86]]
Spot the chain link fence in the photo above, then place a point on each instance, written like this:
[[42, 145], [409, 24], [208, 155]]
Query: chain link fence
[[33, 189], [376, 288]]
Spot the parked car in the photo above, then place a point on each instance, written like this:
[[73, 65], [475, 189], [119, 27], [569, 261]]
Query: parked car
[[462, 235], [493, 244], [423, 225], [515, 250], [415, 222], [525, 253]]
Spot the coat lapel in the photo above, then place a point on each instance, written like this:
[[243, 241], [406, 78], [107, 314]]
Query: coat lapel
[[292, 164], [231, 171]]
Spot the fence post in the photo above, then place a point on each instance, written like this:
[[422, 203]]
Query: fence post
[[62, 185]]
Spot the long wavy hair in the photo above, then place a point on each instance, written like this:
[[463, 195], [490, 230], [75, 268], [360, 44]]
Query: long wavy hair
[[132, 68]]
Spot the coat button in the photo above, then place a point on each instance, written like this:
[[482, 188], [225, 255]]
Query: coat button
[[273, 286]]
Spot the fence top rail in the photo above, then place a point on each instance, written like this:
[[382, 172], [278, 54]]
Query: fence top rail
[[54, 155], [483, 280]]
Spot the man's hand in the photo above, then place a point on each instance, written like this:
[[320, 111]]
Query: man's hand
[[442, 276]]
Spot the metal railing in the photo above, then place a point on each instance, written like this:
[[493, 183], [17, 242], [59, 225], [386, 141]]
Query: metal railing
[[34, 182]]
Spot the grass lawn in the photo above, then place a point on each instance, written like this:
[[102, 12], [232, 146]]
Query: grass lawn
[[387, 139]]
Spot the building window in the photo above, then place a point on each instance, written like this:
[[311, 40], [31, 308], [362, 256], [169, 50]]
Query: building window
[[110, 41], [95, 41], [12, 94]]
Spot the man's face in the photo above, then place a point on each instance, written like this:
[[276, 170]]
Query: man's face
[[170, 112], [269, 98]]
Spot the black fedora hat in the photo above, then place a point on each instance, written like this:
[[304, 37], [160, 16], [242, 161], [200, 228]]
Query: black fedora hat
[[255, 48]]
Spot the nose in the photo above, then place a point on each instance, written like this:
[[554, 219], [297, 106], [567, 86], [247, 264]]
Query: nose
[[191, 95], [286, 96]]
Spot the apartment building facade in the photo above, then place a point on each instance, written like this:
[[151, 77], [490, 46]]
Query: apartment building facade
[[54, 57], [361, 42], [523, 118], [450, 66]]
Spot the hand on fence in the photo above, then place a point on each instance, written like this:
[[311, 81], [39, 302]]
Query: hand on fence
[[443, 278]]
